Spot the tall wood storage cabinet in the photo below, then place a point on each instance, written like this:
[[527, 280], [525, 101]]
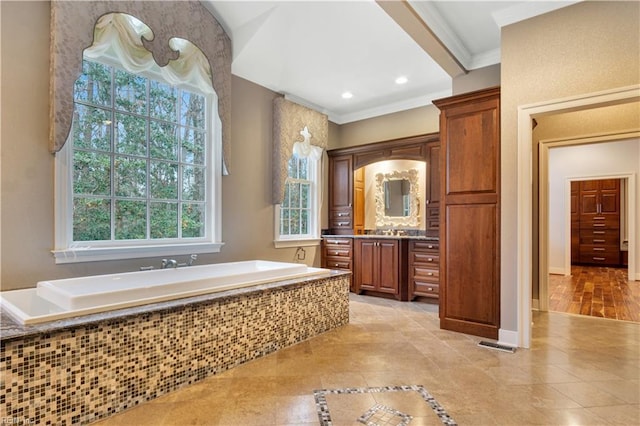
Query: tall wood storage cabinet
[[598, 218], [470, 213]]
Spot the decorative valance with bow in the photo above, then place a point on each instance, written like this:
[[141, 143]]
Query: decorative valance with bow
[[295, 129], [72, 30]]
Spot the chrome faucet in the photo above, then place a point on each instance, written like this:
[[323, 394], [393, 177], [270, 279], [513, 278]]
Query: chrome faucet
[[172, 263], [168, 263]]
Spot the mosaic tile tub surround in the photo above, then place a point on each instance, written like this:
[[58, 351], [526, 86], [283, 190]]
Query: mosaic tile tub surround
[[87, 372]]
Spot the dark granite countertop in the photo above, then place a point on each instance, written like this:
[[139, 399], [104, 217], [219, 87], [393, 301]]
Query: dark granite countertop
[[393, 237], [11, 329]]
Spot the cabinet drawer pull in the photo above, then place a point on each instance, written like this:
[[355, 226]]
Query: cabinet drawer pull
[[599, 258], [430, 274], [599, 218], [598, 241], [430, 246], [429, 289], [430, 259], [598, 232], [598, 249], [336, 265], [343, 223], [598, 224]]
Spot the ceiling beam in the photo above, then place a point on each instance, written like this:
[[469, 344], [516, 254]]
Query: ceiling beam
[[404, 15]]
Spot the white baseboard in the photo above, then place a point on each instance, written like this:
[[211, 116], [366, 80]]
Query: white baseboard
[[508, 338], [556, 270]]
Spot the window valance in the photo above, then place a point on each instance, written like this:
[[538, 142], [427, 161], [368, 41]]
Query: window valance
[[295, 127], [72, 31]]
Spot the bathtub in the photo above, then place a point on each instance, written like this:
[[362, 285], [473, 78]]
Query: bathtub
[[65, 298]]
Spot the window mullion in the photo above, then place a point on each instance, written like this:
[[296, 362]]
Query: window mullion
[[112, 192]]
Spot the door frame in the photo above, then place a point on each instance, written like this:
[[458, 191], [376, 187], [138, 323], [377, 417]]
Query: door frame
[[524, 260], [543, 206]]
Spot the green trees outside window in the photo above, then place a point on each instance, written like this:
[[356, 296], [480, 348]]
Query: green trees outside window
[[295, 210], [139, 158]]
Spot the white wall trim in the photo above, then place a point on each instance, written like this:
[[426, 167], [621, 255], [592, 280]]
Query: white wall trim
[[508, 338], [558, 271], [525, 188], [535, 304]]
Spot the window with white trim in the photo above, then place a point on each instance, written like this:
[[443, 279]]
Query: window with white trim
[[140, 172], [297, 218]]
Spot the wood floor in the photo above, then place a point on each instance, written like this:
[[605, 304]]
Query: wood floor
[[596, 291]]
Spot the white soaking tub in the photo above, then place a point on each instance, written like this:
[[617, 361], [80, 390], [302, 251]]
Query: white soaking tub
[[64, 298]]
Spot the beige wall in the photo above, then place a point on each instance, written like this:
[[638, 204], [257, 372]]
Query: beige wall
[[391, 126], [584, 48], [477, 79]]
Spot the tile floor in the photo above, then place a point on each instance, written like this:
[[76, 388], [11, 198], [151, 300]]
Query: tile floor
[[580, 371]]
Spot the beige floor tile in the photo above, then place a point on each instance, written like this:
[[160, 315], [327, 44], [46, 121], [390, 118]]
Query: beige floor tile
[[619, 415], [298, 409], [587, 394], [626, 390]]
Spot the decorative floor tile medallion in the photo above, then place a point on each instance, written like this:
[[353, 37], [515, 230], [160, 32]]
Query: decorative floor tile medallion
[[380, 414]]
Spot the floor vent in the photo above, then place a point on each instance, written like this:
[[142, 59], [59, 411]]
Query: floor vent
[[497, 346]]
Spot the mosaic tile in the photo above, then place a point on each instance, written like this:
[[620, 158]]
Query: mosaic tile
[[86, 372], [379, 415]]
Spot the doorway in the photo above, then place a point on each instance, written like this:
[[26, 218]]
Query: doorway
[[588, 231], [525, 213], [566, 160]]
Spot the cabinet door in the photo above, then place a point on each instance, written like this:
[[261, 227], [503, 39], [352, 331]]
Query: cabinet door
[[358, 201], [341, 175], [341, 194], [388, 267], [433, 188], [470, 213], [366, 266]]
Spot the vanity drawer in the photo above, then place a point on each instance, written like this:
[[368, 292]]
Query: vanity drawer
[[338, 252], [425, 289], [425, 258], [340, 242], [426, 246], [425, 273], [337, 263]]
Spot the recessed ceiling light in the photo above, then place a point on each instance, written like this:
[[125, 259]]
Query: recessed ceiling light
[[347, 95], [401, 80]]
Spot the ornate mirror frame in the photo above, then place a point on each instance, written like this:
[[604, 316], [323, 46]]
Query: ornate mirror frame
[[72, 27], [411, 221]]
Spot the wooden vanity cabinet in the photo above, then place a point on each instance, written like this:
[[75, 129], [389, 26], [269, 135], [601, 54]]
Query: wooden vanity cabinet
[[424, 269], [337, 253], [380, 266], [346, 179]]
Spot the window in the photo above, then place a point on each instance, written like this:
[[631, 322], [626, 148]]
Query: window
[[297, 217], [137, 174]]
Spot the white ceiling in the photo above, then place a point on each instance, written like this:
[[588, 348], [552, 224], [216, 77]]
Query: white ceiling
[[314, 51]]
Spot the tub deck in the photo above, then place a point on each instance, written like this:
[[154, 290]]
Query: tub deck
[[66, 298]]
